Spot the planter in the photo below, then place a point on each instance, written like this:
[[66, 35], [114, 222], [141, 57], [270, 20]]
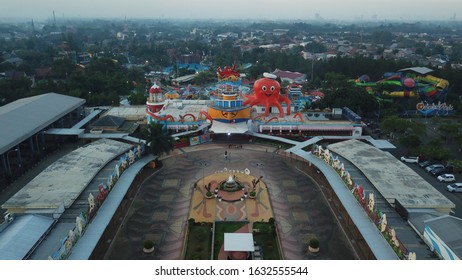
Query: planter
[[148, 247], [313, 250], [148, 250], [313, 246]]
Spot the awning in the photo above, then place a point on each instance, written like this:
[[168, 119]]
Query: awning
[[277, 127], [220, 127], [326, 128], [239, 242], [420, 70]]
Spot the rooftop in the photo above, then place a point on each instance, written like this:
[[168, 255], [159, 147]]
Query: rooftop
[[33, 114], [63, 181], [392, 178]]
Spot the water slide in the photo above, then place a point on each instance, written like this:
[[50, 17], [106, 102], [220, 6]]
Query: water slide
[[428, 88]]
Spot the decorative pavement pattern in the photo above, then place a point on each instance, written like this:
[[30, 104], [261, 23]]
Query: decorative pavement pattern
[[168, 199]]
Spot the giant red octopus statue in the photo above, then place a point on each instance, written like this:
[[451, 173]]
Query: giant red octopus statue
[[267, 92]]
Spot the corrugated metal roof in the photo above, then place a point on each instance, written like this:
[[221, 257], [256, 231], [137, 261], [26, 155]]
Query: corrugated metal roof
[[449, 229], [23, 118], [64, 180], [108, 122], [21, 235], [393, 179], [420, 70]]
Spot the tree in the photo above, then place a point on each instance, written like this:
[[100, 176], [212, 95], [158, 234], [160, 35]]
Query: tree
[[411, 142], [315, 47], [204, 77], [449, 130], [137, 98], [435, 150], [158, 140]]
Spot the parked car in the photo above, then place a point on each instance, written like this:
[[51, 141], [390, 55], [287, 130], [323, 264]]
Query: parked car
[[433, 166], [446, 178], [426, 163], [437, 171], [456, 187], [410, 159], [440, 171]]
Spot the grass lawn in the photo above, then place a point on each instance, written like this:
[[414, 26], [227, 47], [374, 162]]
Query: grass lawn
[[199, 244], [265, 236]]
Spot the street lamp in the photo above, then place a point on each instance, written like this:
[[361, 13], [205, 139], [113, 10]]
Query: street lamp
[[203, 164], [8, 159], [259, 173]]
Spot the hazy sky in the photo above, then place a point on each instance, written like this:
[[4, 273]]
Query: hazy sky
[[235, 9]]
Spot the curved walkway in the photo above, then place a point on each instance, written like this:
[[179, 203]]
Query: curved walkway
[[378, 245], [86, 244]]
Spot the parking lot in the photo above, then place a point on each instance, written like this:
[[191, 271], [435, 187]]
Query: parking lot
[[456, 198]]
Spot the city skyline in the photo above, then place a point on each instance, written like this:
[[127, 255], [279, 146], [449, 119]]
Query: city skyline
[[404, 10]]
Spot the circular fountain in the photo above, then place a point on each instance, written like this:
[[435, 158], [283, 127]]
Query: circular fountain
[[231, 185]]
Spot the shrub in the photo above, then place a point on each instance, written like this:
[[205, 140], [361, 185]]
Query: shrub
[[314, 243], [148, 244]]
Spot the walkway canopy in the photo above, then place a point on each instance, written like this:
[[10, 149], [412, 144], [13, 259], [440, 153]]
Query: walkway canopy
[[25, 117], [239, 242]]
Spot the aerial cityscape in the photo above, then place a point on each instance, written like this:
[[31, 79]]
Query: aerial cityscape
[[264, 133]]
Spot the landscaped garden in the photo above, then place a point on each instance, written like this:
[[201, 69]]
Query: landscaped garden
[[198, 246], [264, 235]]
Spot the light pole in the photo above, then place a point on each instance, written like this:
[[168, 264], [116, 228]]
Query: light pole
[[8, 159], [259, 173], [203, 164]]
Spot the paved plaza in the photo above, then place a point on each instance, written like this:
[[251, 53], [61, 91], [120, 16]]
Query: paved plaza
[[176, 193]]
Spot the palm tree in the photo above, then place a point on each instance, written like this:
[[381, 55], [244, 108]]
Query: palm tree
[[158, 140]]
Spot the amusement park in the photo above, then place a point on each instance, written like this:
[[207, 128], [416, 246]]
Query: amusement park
[[251, 172], [232, 108]]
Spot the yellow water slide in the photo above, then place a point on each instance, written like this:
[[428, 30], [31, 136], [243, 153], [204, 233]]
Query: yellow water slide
[[439, 83]]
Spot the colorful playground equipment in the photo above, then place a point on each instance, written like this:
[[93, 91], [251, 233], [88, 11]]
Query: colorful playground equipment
[[401, 85]]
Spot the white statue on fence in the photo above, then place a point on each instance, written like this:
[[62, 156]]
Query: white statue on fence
[[383, 224], [69, 241], [326, 155], [111, 183], [79, 225], [117, 169], [371, 203], [393, 237], [335, 163], [138, 149], [348, 179], [131, 157], [91, 202]]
